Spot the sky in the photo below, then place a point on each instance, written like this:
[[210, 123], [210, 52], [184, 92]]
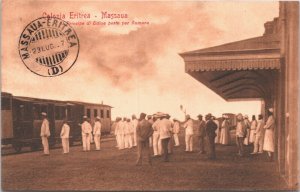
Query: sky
[[134, 68]]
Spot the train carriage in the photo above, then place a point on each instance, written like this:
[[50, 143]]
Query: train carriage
[[92, 110], [6, 118], [21, 119]]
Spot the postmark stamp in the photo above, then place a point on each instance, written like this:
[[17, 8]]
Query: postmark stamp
[[48, 46]]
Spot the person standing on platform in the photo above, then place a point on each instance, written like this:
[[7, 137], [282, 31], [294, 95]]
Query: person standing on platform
[[116, 130], [240, 134], [150, 119], [189, 132], [247, 124], [253, 126], [121, 133], [201, 133], [269, 135], [64, 135], [143, 132], [165, 129], [217, 139], [86, 131], [135, 123], [127, 132], [210, 128], [225, 134], [176, 130], [157, 148], [259, 136], [170, 143], [97, 133], [45, 133]]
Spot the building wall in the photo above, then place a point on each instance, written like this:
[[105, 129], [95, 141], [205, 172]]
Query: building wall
[[289, 16]]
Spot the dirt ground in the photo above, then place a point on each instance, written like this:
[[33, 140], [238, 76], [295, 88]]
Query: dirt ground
[[112, 169]]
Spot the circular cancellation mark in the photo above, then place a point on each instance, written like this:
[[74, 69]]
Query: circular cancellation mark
[[48, 46]]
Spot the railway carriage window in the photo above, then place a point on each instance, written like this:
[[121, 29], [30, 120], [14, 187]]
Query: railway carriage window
[[5, 103], [88, 113], [102, 113], [95, 112], [60, 112], [69, 113], [44, 108], [21, 112], [108, 114], [36, 112], [57, 112], [27, 112], [63, 112]]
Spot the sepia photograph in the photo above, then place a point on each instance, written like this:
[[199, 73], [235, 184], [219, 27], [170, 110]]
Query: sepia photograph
[[149, 95]]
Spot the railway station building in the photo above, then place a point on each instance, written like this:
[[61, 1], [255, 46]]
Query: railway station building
[[262, 68]]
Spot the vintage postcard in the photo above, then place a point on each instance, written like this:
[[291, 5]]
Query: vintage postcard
[[149, 95]]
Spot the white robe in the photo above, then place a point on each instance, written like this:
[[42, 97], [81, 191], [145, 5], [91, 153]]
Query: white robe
[[217, 139], [135, 123], [224, 136], [247, 124], [252, 131], [120, 134], [269, 135]]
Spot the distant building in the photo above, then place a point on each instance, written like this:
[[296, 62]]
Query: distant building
[[263, 68]]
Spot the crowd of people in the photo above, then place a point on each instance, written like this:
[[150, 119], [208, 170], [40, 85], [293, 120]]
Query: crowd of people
[[158, 133]]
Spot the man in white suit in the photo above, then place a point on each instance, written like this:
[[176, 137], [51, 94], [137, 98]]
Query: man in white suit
[[45, 133], [259, 136], [86, 130], [64, 135], [135, 123], [97, 133], [189, 132], [157, 145]]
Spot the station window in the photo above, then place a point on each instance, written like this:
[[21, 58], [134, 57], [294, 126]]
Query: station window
[[102, 113], [5, 103], [108, 114], [88, 113], [95, 112]]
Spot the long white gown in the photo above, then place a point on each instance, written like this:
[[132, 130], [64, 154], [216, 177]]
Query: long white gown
[[224, 136], [247, 124], [217, 139], [252, 131], [269, 135]]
